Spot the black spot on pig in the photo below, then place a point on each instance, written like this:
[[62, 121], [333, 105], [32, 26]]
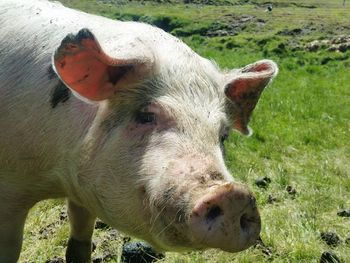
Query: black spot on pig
[[51, 73], [331, 238], [329, 257], [60, 94]]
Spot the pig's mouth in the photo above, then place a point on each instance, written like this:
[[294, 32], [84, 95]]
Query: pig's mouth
[[225, 217]]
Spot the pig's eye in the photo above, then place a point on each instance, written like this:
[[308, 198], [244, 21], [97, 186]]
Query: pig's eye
[[143, 117]]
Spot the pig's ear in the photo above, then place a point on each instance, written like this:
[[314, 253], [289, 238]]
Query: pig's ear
[[84, 67], [245, 88]]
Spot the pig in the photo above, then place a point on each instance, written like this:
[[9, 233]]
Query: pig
[[127, 123]]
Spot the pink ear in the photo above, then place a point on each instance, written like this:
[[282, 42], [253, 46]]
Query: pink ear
[[245, 90], [83, 66]]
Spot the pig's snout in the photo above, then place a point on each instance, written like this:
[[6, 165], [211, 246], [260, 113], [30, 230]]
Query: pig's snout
[[226, 218]]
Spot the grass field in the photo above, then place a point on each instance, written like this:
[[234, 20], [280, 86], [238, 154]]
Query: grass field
[[301, 125]]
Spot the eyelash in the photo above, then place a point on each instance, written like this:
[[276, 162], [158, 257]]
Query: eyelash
[[145, 117]]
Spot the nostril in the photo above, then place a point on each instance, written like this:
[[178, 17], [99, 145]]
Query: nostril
[[245, 222], [213, 213]]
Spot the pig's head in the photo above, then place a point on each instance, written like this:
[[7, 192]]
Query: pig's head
[[155, 167]]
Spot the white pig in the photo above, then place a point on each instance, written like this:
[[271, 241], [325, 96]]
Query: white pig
[[138, 144]]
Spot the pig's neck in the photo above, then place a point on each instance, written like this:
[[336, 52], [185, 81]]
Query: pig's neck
[[78, 184]]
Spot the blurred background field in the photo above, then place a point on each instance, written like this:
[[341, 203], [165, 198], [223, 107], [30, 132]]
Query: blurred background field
[[301, 125]]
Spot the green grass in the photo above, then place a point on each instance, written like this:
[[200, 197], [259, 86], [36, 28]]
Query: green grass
[[301, 126]]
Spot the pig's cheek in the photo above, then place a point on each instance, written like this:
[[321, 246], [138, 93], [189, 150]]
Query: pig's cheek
[[145, 202], [134, 130]]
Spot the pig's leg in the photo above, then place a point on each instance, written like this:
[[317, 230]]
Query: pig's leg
[[11, 235], [82, 224]]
